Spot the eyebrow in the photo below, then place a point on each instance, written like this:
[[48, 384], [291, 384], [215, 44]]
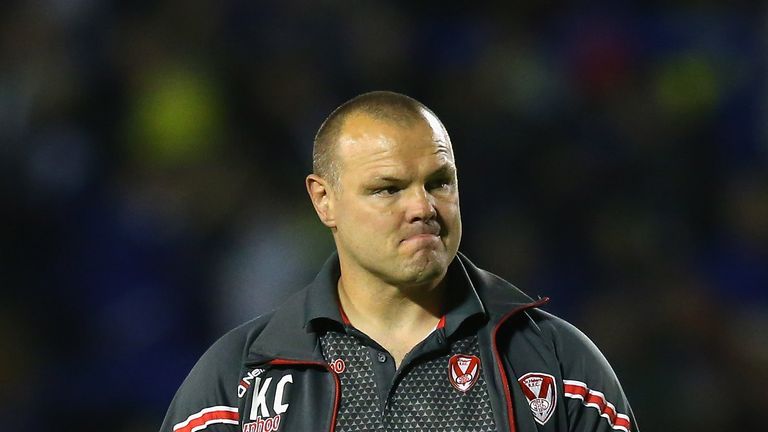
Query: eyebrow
[[447, 169], [443, 147], [386, 179]]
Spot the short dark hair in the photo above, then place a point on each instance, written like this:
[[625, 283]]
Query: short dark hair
[[381, 105]]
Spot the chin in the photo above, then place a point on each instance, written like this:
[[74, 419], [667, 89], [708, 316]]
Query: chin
[[425, 269]]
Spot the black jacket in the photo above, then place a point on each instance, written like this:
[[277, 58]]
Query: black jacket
[[543, 374]]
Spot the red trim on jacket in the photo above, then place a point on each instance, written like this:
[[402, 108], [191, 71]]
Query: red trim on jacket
[[336, 381], [500, 365], [441, 323]]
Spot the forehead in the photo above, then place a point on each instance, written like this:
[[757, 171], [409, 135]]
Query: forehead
[[366, 142]]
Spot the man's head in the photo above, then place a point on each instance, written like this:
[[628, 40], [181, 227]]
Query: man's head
[[385, 182]]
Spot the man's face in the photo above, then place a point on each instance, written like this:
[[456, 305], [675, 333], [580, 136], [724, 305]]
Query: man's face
[[396, 207]]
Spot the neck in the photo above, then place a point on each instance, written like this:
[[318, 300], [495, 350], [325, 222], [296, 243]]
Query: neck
[[390, 306], [395, 317]]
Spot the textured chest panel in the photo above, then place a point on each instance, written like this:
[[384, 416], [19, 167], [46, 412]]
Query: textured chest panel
[[423, 399], [359, 408], [426, 400]]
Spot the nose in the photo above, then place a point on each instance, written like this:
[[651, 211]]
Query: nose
[[420, 206]]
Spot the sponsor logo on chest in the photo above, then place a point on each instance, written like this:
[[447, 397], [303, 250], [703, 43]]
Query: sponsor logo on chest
[[338, 365]]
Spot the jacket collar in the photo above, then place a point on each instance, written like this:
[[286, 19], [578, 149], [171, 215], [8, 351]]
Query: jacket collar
[[498, 296], [323, 309], [289, 333], [322, 302]]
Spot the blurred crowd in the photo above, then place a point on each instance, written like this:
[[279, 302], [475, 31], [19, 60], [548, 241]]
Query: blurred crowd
[[152, 156]]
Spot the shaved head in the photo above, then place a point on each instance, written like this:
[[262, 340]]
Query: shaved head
[[386, 185], [386, 106]]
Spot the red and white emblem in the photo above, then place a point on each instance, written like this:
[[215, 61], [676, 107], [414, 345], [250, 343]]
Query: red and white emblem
[[541, 392], [463, 371], [338, 366]]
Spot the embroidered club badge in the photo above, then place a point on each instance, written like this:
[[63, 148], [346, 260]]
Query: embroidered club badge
[[463, 371], [541, 392]]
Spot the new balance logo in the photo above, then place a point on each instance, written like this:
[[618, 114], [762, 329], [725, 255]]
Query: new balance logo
[[245, 382]]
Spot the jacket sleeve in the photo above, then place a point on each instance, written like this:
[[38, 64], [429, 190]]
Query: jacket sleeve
[[594, 399], [207, 399]]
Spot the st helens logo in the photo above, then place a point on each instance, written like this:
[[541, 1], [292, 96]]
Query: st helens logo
[[463, 371], [540, 390]]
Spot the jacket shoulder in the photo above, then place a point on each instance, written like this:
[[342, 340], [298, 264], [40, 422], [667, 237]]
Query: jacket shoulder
[[571, 345], [595, 398], [209, 392]]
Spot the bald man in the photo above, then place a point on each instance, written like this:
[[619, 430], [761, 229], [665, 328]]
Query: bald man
[[398, 331]]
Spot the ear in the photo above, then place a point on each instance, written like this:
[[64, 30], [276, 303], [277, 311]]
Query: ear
[[321, 194]]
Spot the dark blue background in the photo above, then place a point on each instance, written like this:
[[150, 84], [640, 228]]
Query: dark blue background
[[152, 155]]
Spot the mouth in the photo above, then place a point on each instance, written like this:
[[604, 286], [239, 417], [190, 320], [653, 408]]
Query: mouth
[[417, 237], [426, 234]]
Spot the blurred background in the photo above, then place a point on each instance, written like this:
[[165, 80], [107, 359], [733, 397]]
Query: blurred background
[[152, 156]]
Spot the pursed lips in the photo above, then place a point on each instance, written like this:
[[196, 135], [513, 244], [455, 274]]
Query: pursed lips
[[425, 231]]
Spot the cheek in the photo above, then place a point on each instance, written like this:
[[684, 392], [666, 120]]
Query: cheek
[[449, 210], [362, 218]]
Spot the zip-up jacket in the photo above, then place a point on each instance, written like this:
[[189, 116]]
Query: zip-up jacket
[[269, 374]]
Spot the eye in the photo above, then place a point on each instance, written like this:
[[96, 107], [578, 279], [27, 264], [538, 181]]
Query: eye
[[440, 184], [386, 191]]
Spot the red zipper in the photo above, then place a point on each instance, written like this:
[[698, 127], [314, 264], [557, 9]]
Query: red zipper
[[337, 382], [502, 372]]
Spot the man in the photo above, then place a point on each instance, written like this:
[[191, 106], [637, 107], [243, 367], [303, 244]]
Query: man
[[398, 331]]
